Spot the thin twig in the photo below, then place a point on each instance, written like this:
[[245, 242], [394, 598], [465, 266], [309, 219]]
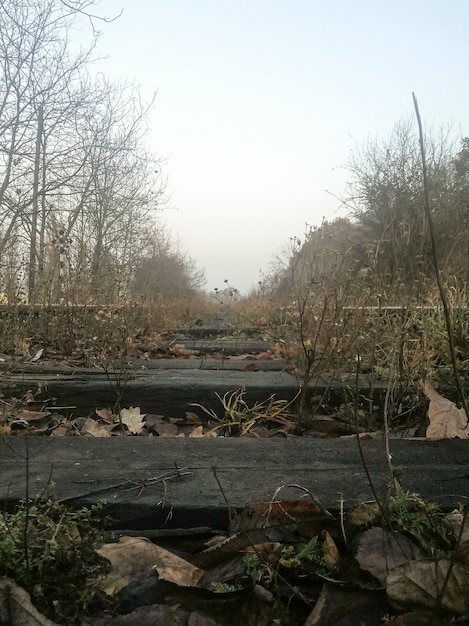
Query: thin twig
[[231, 511], [140, 484], [449, 334], [441, 289], [386, 426]]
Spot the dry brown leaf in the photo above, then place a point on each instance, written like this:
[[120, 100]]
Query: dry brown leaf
[[16, 607], [252, 367], [93, 428], [62, 430], [198, 431], [286, 352], [106, 415], [31, 416], [133, 419], [379, 551], [446, 420], [167, 430], [192, 418], [349, 607], [180, 350], [268, 552], [456, 519], [159, 426], [129, 557], [282, 520], [35, 405], [235, 545], [213, 432], [417, 584], [174, 569], [364, 514], [330, 550]]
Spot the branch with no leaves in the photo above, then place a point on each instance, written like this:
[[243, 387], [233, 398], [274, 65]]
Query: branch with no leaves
[[133, 484], [81, 6]]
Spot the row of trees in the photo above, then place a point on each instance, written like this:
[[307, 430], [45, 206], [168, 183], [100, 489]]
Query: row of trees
[[384, 240], [79, 190]]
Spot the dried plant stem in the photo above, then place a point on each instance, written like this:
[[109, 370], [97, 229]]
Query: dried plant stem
[[393, 481], [441, 289], [449, 334]]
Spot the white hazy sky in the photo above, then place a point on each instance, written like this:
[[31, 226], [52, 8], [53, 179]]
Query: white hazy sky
[[261, 101]]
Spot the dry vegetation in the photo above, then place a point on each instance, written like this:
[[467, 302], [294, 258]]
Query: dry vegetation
[[89, 276]]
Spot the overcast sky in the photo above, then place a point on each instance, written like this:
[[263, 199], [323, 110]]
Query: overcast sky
[[261, 101]]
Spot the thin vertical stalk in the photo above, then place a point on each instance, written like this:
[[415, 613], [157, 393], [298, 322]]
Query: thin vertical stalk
[[441, 289], [35, 208], [449, 334]]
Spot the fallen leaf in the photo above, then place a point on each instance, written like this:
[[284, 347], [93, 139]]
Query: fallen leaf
[[160, 427], [197, 432], [417, 585], [129, 556], [364, 514], [380, 550], [252, 367], [192, 418], [62, 430], [283, 520], [456, 519], [330, 551], [93, 428], [106, 415], [16, 607], [174, 569], [37, 356], [348, 607], [179, 350], [446, 419], [133, 419], [31, 416]]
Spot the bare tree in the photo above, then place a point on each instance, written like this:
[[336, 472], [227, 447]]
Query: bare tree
[[385, 195], [75, 177], [36, 83]]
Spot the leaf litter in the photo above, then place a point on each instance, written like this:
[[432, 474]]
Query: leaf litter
[[289, 563], [265, 419], [280, 562]]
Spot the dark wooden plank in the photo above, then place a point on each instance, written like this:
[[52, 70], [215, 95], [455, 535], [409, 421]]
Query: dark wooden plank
[[121, 471], [168, 392], [138, 366], [223, 346]]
